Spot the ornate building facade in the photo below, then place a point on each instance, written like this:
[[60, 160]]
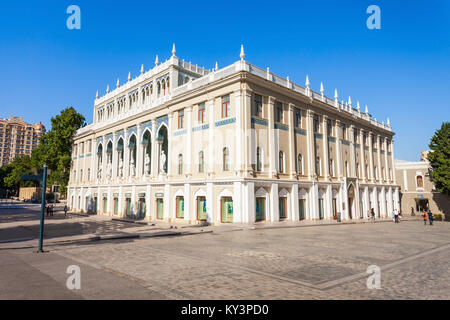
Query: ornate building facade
[[236, 144]]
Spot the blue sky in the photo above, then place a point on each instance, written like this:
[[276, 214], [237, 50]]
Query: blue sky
[[401, 71]]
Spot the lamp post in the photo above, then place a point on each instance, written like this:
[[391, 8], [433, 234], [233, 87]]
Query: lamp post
[[41, 228]]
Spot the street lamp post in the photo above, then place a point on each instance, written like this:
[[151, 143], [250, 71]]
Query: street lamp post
[[41, 228]]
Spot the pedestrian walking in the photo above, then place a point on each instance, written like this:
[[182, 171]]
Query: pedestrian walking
[[396, 216], [51, 210], [425, 217], [372, 214], [412, 212], [47, 208], [430, 217], [65, 210]]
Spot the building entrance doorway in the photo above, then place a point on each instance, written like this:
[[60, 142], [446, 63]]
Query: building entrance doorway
[[421, 204], [260, 209], [351, 198], [159, 208]]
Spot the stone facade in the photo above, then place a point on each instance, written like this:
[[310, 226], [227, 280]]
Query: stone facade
[[237, 144], [417, 191]]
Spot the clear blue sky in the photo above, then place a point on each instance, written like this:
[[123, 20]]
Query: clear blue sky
[[401, 71]]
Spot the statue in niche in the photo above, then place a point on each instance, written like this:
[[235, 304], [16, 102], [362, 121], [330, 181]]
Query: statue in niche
[[162, 162], [132, 168], [147, 163], [120, 167], [109, 171]]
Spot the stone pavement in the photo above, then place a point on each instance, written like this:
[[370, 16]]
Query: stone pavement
[[286, 263]]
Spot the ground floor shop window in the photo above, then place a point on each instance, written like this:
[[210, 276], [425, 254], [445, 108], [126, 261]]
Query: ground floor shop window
[[260, 209], [301, 209], [180, 207], [116, 206], [128, 206], [320, 208], [105, 204], [421, 204], [201, 208], [159, 208], [283, 207], [226, 209], [141, 208]]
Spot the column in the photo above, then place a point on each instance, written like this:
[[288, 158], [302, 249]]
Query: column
[[188, 216], [328, 203], [167, 204], [372, 175], [383, 202], [326, 165], [294, 203], [310, 144], [210, 108], [386, 165], [375, 201], [104, 159], [133, 200], [155, 152], [338, 152], [120, 210], [396, 199], [247, 126], [292, 153], [366, 201], [380, 173], [239, 146], [249, 194], [170, 157], [115, 157], [126, 155], [139, 152], [389, 202], [314, 201], [108, 202], [274, 209], [148, 207], [352, 153], [188, 149], [273, 146], [393, 162], [210, 203], [363, 158]]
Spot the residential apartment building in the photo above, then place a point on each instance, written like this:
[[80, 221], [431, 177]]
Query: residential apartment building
[[237, 144], [18, 137]]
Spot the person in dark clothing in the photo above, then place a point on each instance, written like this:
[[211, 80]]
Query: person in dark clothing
[[47, 208], [412, 212], [430, 217], [65, 210], [372, 213], [51, 210]]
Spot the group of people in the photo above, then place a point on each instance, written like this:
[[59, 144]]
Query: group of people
[[397, 216], [427, 215], [49, 208]]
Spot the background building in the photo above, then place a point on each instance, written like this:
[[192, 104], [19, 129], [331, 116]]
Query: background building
[[237, 144], [18, 137], [417, 191]]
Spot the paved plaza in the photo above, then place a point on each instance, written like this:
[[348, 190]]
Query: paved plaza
[[304, 262]]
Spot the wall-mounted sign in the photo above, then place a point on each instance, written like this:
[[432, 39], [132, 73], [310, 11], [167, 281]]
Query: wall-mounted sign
[[159, 195], [141, 195]]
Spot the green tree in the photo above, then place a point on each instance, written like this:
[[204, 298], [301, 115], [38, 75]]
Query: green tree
[[440, 158], [19, 166], [55, 147]]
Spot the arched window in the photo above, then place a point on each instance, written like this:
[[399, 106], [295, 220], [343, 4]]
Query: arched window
[[419, 180], [201, 162], [226, 159], [258, 159], [158, 89], [300, 164], [180, 164], [168, 84], [163, 85], [281, 162]]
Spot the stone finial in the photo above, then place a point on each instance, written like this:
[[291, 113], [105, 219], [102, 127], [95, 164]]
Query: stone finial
[[118, 83], [321, 88], [217, 66], [350, 101], [307, 82], [367, 110], [129, 76], [336, 95], [142, 68], [388, 122], [156, 60], [107, 88], [288, 82], [242, 54], [96, 95], [357, 106], [174, 51]]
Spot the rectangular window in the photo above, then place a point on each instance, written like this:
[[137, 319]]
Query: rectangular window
[[321, 209], [181, 119], [116, 206], [201, 208], [301, 209], [258, 106], [225, 106], [316, 124], [159, 208], [201, 113], [180, 207], [298, 118], [260, 209], [329, 128], [105, 203], [344, 131], [226, 204], [128, 206], [278, 111], [282, 206]]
